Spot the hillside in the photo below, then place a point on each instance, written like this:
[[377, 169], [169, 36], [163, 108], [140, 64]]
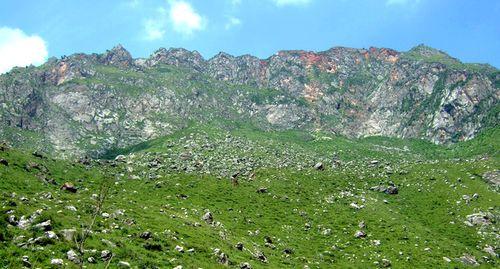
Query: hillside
[[89, 104], [298, 199]]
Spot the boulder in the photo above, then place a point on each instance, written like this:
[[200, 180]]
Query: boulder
[[208, 218], [245, 265], [68, 234], [479, 219], [360, 234], [106, 255], [57, 262], [319, 166], [44, 226], [468, 259], [123, 264], [72, 256]]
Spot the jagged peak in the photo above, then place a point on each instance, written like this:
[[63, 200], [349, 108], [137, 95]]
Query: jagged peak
[[426, 52], [222, 55], [176, 51], [118, 47], [118, 56], [177, 57]]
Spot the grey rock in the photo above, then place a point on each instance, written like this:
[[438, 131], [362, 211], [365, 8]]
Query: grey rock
[[26, 261], [469, 259], [239, 246], [223, 258], [208, 218], [106, 255], [51, 235], [57, 262], [44, 226], [245, 265], [319, 166], [360, 234], [479, 219], [72, 256], [68, 234], [123, 264]]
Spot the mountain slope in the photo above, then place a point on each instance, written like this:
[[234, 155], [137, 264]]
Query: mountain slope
[[88, 104], [282, 213]]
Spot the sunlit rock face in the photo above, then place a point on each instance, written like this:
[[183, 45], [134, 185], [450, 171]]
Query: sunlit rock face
[[87, 104]]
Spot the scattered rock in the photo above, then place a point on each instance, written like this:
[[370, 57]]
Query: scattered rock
[[492, 177], [179, 249], [71, 208], [120, 158], [106, 255], [146, 235], [245, 265], [44, 226], [68, 234], [72, 256], [480, 218], [468, 259], [262, 190], [392, 190], [319, 166], [58, 262], [385, 263], [12, 220], [490, 250], [239, 246], [4, 162], [261, 257], [123, 264], [360, 234], [223, 258], [208, 218], [108, 243], [51, 235], [26, 261]]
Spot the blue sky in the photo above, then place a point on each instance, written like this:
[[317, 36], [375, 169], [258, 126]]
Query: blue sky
[[466, 29]]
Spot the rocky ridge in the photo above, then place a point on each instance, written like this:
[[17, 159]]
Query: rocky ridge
[[88, 104]]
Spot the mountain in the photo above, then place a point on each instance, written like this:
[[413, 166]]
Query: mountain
[[91, 104], [346, 158]]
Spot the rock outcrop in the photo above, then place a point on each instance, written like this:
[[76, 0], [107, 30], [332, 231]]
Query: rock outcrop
[[88, 104]]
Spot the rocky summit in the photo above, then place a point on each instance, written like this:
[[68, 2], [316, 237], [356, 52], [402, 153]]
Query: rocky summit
[[89, 104], [345, 158]]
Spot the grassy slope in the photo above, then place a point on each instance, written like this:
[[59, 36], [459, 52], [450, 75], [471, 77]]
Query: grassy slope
[[428, 212]]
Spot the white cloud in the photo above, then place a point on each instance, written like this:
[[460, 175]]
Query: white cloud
[[281, 3], [155, 28], [184, 18], [180, 17], [19, 49], [231, 22]]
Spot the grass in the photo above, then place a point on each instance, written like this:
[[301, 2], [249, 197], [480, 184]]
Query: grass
[[416, 228]]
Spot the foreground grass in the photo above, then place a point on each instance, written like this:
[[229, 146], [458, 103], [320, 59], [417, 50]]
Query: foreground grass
[[308, 213]]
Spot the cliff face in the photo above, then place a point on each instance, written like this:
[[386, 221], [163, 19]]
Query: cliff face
[[85, 104]]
